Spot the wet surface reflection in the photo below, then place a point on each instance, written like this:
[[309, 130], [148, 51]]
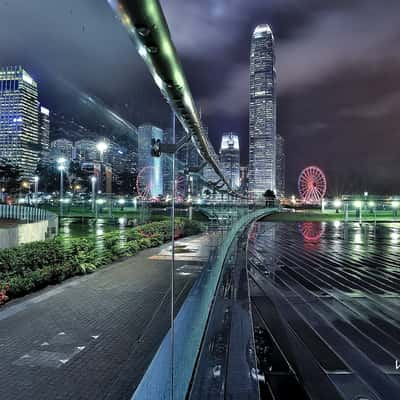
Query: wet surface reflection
[[337, 286]]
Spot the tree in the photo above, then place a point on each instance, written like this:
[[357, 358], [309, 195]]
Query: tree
[[9, 176], [77, 176], [207, 193], [269, 198], [50, 177], [124, 182]]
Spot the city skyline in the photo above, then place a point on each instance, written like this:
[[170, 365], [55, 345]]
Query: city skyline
[[324, 130]]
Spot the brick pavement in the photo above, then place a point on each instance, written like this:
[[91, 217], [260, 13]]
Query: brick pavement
[[91, 337]]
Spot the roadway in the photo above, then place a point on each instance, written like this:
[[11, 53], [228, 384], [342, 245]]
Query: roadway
[[92, 337]]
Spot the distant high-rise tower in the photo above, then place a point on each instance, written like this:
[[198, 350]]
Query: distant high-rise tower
[[147, 132], [262, 110], [230, 158], [280, 166], [44, 132], [19, 120]]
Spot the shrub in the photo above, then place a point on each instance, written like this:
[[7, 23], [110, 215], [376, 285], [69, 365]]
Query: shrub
[[33, 266]]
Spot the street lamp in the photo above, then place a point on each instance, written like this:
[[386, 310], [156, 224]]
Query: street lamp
[[358, 204], [93, 180], [99, 202], [337, 204], [102, 147], [61, 166], [121, 203], [36, 180], [395, 206]]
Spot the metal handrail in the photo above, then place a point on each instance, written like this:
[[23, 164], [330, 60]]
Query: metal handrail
[[148, 29]]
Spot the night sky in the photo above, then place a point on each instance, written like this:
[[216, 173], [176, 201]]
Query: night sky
[[338, 66]]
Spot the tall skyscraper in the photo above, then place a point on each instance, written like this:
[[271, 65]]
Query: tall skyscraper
[[44, 132], [19, 120], [280, 166], [230, 158], [61, 148], [153, 174], [262, 112], [85, 150]]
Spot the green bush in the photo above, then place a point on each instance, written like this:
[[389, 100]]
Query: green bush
[[33, 266]]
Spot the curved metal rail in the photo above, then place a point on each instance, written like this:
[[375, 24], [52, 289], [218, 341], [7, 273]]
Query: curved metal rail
[[148, 28]]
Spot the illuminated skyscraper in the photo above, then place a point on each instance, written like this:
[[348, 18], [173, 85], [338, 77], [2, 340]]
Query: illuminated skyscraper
[[19, 120], [230, 158], [155, 177], [61, 148], [262, 110], [44, 132], [280, 166]]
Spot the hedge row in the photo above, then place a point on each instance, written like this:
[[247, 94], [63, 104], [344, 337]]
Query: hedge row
[[33, 266]]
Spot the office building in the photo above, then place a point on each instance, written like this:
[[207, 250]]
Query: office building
[[280, 166], [262, 112], [149, 168], [19, 120], [44, 132], [230, 158], [61, 148]]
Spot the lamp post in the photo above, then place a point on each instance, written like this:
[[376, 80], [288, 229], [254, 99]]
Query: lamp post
[[337, 204], [395, 206], [93, 180], [121, 203], [61, 167], [36, 181], [372, 207], [358, 204], [102, 147]]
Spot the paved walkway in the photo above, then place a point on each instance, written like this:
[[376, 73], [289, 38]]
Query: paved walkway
[[91, 337]]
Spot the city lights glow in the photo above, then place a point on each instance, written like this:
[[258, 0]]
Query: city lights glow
[[102, 147], [395, 204], [357, 204], [337, 203]]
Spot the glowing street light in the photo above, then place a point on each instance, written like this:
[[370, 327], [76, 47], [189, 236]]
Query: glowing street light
[[102, 147], [358, 204], [121, 203], [371, 204], [36, 181], [61, 167], [337, 203], [395, 206], [93, 180]]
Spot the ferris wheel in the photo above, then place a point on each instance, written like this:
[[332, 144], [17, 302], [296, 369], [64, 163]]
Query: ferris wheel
[[144, 182], [312, 184]]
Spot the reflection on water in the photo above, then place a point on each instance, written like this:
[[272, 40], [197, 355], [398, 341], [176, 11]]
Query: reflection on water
[[72, 228], [311, 231], [337, 287]]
